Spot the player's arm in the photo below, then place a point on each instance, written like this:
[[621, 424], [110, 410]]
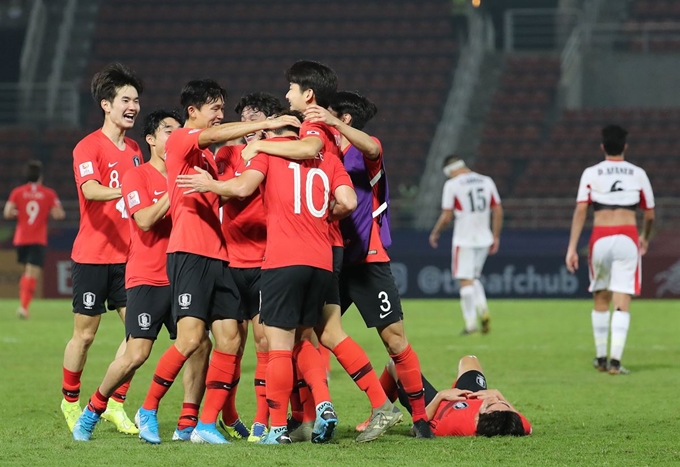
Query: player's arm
[[10, 211], [360, 140], [57, 212], [647, 225], [577, 222], [445, 395], [345, 203], [443, 221], [145, 218], [95, 191], [240, 187], [300, 149], [233, 130], [496, 227]]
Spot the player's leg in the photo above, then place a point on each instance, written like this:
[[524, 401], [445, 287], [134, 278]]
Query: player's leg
[[279, 381], [193, 381], [261, 419], [463, 270], [34, 258], [481, 305], [599, 269], [230, 421]]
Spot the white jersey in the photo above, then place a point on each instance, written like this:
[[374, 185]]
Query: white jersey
[[471, 197], [615, 184]]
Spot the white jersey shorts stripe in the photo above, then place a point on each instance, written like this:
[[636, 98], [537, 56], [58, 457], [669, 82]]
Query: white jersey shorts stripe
[[614, 262]]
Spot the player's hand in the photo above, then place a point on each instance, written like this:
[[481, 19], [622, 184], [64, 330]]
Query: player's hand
[[643, 243], [493, 249], [317, 114], [486, 394], [280, 122], [454, 394], [199, 183], [571, 261], [434, 240], [251, 150]]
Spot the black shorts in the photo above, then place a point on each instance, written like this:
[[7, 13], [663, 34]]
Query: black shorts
[[430, 393], [371, 287], [148, 309], [202, 288], [293, 296], [95, 283], [31, 254], [472, 380], [333, 295], [247, 282]]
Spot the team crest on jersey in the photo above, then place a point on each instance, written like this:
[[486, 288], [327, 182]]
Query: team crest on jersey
[[481, 381], [86, 168], [136, 160], [144, 321], [184, 300], [460, 405], [133, 199], [313, 132], [88, 300]]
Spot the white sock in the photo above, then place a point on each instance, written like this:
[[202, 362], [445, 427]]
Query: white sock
[[600, 321], [480, 298], [467, 303], [620, 325]]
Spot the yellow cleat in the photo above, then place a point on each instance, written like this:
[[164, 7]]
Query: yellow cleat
[[115, 413], [71, 411]]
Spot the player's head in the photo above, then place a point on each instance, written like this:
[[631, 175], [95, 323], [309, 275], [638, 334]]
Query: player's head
[[202, 101], [286, 129], [158, 126], [310, 82], [614, 140], [34, 171], [453, 165], [353, 108], [255, 107], [500, 423], [117, 89]]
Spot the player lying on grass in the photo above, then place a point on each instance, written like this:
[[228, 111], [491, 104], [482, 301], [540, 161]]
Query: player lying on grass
[[467, 409]]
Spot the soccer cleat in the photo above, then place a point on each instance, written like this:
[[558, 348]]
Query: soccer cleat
[[278, 435], [303, 433], [82, 430], [236, 430], [257, 433], [207, 433], [71, 411], [486, 320], [182, 435], [421, 429], [115, 413], [615, 368], [382, 420], [326, 421], [22, 313], [147, 420], [600, 363], [466, 332], [292, 423]]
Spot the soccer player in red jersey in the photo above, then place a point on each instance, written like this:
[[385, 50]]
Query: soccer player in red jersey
[[148, 289], [203, 292], [31, 205], [313, 83], [101, 247], [298, 262], [468, 408], [366, 277]]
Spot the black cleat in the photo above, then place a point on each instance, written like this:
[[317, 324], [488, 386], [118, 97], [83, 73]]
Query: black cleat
[[421, 429], [465, 332], [615, 368], [486, 321], [292, 424], [600, 364]]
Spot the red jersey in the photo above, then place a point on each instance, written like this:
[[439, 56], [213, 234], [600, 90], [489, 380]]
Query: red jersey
[[331, 146], [243, 220], [195, 217], [457, 418], [33, 203], [296, 198], [103, 236], [142, 187]]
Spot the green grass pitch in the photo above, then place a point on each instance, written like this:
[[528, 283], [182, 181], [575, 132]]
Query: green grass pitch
[[538, 354]]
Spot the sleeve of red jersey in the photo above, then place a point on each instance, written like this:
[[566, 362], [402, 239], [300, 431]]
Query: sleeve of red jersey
[[313, 129], [184, 142], [448, 196], [526, 425], [259, 163], [340, 175], [86, 163], [646, 193], [583, 195], [495, 197], [374, 165], [135, 192]]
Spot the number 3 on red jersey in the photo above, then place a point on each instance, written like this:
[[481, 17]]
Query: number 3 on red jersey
[[309, 184]]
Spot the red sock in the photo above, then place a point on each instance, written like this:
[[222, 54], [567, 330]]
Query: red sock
[[121, 393], [389, 385], [97, 402], [27, 286], [408, 372], [279, 385], [355, 362], [262, 411], [188, 417], [312, 370], [70, 385], [229, 412], [307, 402], [168, 368], [218, 383], [325, 357]]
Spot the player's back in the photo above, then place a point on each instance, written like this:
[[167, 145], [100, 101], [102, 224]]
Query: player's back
[[614, 184], [33, 203]]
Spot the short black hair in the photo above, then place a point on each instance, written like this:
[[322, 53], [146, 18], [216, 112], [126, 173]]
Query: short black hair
[[284, 129], [361, 109], [614, 140], [264, 102], [34, 170], [450, 160], [199, 92], [315, 76], [500, 423], [153, 121], [106, 83]]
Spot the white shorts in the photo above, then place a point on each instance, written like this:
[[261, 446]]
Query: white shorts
[[614, 260], [467, 262]]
